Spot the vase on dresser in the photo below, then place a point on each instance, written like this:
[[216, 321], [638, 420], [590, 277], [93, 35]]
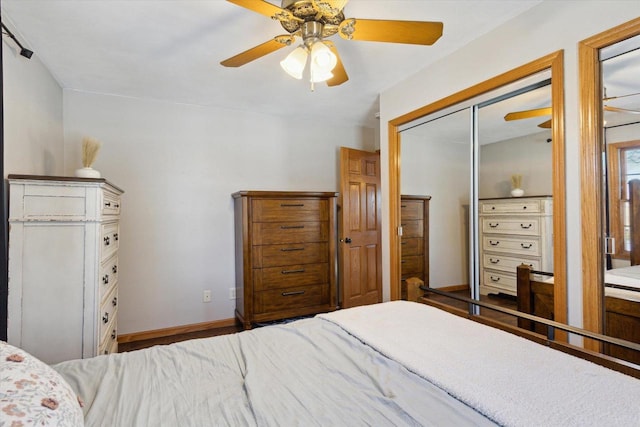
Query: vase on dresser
[[63, 266]]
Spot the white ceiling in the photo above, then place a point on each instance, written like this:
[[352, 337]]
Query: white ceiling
[[171, 49]]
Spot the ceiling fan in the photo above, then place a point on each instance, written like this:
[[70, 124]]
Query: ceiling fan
[[527, 114], [316, 20]]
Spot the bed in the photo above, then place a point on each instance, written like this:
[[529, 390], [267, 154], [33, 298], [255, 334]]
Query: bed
[[395, 363], [621, 292]]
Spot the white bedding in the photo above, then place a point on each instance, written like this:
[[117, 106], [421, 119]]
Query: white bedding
[[625, 276], [395, 364], [510, 379]]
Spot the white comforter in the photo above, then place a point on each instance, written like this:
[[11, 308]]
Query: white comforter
[[394, 364]]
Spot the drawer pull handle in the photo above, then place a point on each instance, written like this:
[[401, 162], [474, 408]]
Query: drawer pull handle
[[107, 204], [526, 227], [113, 334], [105, 279], [403, 206], [403, 261], [526, 246], [493, 208], [293, 271], [291, 205], [117, 205], [495, 279], [114, 269], [524, 207], [494, 261], [287, 294], [106, 241], [288, 227], [291, 249], [492, 243], [114, 301], [403, 243], [115, 237], [494, 225], [105, 318]]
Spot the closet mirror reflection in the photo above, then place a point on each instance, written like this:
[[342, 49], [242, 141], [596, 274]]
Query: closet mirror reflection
[[611, 199], [486, 158]]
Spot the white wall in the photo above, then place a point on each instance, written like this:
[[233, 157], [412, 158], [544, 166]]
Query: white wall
[[440, 169], [178, 165], [33, 137], [529, 156], [546, 28]]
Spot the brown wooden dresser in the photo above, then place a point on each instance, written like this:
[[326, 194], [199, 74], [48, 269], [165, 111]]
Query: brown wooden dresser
[[285, 254], [414, 245]]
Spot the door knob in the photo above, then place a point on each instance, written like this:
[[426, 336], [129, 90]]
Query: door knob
[[346, 240]]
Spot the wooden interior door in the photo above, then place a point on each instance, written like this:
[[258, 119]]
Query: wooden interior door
[[360, 255]]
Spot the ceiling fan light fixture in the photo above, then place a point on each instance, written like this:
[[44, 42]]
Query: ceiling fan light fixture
[[295, 62], [322, 59]]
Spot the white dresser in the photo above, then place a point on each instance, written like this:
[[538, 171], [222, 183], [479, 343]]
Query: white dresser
[[63, 266], [514, 231]]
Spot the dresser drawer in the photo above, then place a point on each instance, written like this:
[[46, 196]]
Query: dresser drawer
[[109, 344], [412, 228], [512, 245], [108, 311], [291, 298], [108, 276], [525, 226], [270, 233], [507, 263], [300, 253], [511, 207], [411, 246], [411, 210], [290, 275], [109, 238], [499, 280], [412, 264], [277, 210], [110, 203]]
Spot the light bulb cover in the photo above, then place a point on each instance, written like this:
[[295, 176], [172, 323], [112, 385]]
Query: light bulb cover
[[322, 58], [295, 62]]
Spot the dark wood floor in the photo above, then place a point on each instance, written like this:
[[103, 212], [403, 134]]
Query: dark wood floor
[[500, 300], [137, 345]]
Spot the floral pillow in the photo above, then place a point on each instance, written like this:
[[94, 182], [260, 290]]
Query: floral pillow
[[32, 393]]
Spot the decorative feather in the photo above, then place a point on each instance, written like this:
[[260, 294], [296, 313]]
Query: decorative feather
[[90, 148], [516, 181]]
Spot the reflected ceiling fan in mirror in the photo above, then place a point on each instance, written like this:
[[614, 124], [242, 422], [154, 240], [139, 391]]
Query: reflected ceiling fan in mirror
[[537, 112], [316, 20]]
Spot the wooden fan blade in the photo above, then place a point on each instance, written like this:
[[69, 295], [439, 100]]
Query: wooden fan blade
[[410, 32], [545, 125], [339, 73], [259, 51], [267, 9], [620, 110], [527, 114]]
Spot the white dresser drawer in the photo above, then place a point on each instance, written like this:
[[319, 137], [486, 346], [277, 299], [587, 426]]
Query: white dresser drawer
[[110, 203], [508, 263], [525, 226], [108, 276], [110, 342], [512, 245], [511, 207], [109, 239], [107, 312], [501, 281]]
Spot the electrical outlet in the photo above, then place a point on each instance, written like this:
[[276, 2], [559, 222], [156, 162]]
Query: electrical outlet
[[232, 293], [206, 296]]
